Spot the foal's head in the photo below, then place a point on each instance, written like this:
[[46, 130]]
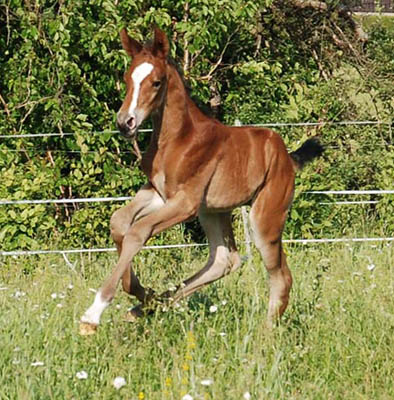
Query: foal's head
[[146, 81]]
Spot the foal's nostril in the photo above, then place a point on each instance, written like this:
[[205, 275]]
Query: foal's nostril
[[131, 123]]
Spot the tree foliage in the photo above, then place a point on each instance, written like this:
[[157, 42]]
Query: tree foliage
[[256, 61]]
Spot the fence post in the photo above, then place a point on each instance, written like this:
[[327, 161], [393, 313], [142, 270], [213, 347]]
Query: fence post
[[245, 219]]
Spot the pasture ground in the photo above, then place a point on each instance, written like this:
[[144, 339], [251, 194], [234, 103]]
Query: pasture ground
[[336, 340]]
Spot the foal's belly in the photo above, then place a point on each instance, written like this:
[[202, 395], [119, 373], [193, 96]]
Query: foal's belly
[[227, 191]]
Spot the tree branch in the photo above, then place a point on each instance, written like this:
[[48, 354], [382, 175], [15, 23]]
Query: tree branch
[[343, 12], [7, 110], [186, 54], [215, 66], [316, 5]]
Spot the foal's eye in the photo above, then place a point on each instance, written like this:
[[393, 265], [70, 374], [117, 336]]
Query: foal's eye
[[156, 84]]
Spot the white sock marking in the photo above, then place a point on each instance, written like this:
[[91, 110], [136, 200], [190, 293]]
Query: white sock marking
[[138, 75], [93, 313]]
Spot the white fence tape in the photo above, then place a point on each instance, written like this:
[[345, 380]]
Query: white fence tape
[[326, 203], [97, 250], [268, 124], [66, 201], [334, 123], [351, 192], [179, 246], [125, 198], [58, 134]]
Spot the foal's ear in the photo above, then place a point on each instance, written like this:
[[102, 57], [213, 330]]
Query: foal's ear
[[161, 46], [131, 46]]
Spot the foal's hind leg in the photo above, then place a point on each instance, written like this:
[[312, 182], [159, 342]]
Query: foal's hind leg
[[223, 257], [267, 217]]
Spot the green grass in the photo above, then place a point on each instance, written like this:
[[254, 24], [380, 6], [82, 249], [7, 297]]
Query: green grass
[[369, 20], [336, 340]]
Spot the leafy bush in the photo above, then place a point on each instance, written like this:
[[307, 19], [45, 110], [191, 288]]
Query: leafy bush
[[62, 68]]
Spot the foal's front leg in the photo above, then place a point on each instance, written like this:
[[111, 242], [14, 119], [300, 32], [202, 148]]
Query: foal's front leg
[[146, 201], [175, 210]]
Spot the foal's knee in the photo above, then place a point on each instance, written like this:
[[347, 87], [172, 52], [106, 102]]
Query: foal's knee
[[118, 226]]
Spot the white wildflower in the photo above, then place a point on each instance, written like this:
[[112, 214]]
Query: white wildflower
[[37, 364], [70, 287], [187, 397], [371, 267], [54, 296], [82, 375], [119, 382], [247, 396], [213, 309], [206, 382]]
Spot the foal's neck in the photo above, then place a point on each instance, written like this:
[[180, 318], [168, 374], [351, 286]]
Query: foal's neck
[[173, 119]]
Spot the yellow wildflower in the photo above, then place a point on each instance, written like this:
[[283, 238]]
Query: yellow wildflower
[[184, 381], [168, 381], [191, 342], [185, 367]]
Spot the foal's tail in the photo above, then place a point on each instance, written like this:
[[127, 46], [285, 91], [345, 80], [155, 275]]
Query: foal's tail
[[307, 152]]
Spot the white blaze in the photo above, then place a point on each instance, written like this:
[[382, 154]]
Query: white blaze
[[138, 75]]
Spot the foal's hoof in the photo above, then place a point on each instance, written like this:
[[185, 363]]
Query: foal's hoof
[[86, 329], [134, 314]]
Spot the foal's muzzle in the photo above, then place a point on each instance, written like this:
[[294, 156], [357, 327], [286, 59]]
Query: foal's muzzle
[[127, 124]]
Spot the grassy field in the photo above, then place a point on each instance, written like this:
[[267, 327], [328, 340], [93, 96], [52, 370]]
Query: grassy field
[[336, 340]]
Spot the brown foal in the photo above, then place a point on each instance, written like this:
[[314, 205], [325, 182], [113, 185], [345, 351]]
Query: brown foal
[[197, 166]]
